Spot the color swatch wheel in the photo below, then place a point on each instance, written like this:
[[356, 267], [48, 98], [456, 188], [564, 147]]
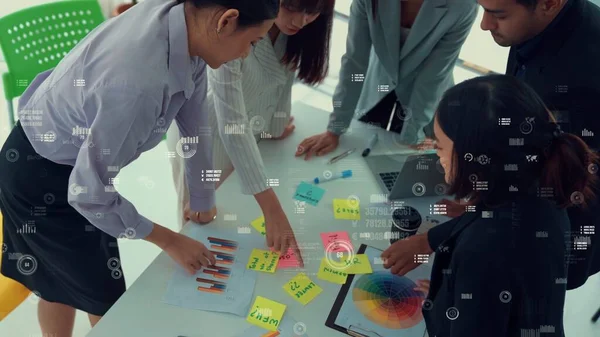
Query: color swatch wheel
[[388, 300]]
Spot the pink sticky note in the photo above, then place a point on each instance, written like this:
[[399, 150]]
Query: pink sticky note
[[336, 241], [288, 260]]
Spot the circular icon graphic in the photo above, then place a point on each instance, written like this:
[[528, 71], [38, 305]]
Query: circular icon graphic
[[4, 248], [577, 198], [419, 189], [404, 114], [49, 198], [27, 265], [49, 137], [161, 122], [505, 296], [336, 251], [469, 157], [130, 233], [354, 236], [34, 297], [327, 174], [452, 313], [113, 263], [483, 159], [473, 178], [526, 127], [257, 123], [427, 305], [185, 150], [353, 201], [440, 167], [149, 184], [299, 328], [441, 189], [593, 168], [75, 189], [12, 155], [116, 274], [99, 216]]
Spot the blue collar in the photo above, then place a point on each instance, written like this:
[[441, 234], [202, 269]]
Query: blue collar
[[180, 61], [527, 48]]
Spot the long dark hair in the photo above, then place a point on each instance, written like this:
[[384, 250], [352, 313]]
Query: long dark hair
[[505, 136], [308, 50], [252, 13]]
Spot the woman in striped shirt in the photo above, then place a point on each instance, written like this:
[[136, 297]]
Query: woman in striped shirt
[[252, 100]]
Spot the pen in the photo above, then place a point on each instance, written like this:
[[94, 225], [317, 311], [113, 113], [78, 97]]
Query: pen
[[370, 145], [344, 174], [341, 156]]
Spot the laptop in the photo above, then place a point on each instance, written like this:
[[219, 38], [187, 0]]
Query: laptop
[[403, 176]]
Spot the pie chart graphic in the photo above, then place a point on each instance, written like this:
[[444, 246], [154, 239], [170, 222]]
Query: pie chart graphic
[[388, 300]]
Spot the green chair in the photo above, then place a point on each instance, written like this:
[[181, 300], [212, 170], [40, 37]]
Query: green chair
[[35, 39]]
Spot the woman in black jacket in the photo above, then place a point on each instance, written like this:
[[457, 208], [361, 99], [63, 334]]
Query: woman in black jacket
[[502, 271]]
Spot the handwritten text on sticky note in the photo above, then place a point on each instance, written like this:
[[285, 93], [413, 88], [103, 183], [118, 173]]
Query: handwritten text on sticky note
[[336, 242], [331, 274], [302, 289], [287, 260], [265, 313], [358, 264], [263, 260], [309, 193], [346, 209], [259, 225]]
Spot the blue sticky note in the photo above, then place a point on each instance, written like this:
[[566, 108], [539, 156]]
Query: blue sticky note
[[308, 193]]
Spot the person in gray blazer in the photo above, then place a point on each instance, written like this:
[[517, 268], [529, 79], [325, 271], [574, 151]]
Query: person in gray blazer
[[405, 51], [250, 99]]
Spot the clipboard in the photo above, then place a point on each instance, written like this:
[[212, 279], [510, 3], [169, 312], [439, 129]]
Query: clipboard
[[353, 331]]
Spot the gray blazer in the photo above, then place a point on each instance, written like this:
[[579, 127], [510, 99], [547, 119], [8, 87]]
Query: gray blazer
[[419, 71]]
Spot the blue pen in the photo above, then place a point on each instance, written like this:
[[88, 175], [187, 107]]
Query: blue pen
[[344, 174]]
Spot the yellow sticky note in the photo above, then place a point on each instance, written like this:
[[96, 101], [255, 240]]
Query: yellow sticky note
[[329, 273], [302, 289], [259, 225], [265, 313], [359, 264], [346, 209], [263, 260]]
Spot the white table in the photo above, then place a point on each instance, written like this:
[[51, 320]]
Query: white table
[[140, 311]]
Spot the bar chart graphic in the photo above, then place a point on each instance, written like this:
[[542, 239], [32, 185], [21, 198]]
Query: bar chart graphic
[[214, 277], [223, 258], [217, 271], [223, 286], [222, 244], [211, 286]]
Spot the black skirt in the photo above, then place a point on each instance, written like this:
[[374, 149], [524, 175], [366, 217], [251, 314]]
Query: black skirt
[[48, 246]]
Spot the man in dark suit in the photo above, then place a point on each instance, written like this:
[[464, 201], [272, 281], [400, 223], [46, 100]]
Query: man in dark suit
[[555, 49]]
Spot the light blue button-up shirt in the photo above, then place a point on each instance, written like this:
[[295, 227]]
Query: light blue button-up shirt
[[113, 97]]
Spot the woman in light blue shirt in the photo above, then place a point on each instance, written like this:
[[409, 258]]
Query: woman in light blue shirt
[[250, 100], [110, 99]]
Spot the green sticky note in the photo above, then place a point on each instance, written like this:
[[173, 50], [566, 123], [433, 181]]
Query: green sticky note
[[309, 193]]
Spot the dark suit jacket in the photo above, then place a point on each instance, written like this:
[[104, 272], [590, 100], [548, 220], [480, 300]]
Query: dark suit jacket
[[565, 71], [501, 276]]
